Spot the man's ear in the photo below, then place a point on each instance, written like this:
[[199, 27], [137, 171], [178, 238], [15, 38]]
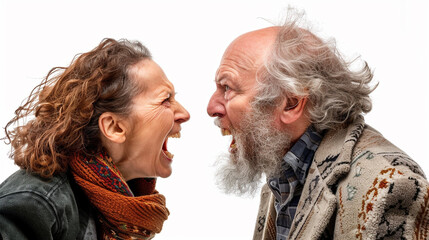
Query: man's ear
[[292, 109], [112, 127]]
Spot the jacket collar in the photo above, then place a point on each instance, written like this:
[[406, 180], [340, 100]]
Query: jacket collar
[[334, 155], [331, 162]]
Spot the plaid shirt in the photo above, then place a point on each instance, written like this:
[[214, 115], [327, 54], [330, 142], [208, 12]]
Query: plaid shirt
[[287, 188]]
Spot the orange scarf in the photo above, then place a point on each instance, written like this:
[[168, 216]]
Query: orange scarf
[[123, 214]]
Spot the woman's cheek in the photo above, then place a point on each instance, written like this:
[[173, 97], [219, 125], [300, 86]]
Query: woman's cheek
[[167, 120]]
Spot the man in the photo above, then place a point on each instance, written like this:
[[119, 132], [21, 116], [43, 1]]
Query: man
[[294, 110]]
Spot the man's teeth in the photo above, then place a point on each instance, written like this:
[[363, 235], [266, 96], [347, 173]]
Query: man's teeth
[[225, 132], [176, 135]]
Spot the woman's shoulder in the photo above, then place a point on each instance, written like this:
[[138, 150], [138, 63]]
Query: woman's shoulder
[[25, 188], [44, 205], [23, 181]]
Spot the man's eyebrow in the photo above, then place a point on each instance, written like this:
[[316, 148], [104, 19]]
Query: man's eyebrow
[[221, 76]]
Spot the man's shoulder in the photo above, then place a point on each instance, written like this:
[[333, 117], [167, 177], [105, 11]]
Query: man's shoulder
[[379, 166], [385, 192], [376, 152]]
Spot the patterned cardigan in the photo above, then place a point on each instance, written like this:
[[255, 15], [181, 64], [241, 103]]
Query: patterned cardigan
[[359, 186]]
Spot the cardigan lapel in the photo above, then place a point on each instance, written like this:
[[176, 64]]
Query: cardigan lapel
[[315, 208], [331, 161]]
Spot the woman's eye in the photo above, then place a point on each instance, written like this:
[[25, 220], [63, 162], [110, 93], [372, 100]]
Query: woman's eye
[[167, 100]]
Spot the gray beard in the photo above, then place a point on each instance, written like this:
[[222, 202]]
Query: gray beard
[[260, 149]]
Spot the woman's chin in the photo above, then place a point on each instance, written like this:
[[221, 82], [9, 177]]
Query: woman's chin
[[164, 172], [164, 169]]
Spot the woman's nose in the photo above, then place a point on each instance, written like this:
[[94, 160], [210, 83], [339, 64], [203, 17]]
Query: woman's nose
[[181, 115]]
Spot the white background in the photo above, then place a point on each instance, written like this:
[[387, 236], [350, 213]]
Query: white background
[[187, 39]]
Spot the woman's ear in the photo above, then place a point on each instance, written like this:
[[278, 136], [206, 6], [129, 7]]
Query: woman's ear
[[292, 109], [112, 127]]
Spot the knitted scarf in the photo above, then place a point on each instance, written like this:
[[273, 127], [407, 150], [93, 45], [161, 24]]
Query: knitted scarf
[[122, 213]]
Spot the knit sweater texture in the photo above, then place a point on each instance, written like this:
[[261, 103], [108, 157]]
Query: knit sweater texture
[[359, 186]]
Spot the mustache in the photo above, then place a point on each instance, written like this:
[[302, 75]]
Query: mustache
[[217, 122]]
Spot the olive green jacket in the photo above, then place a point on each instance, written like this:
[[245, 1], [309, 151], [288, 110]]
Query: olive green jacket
[[359, 186]]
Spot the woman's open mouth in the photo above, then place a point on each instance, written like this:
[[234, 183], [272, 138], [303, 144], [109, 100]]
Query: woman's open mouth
[[168, 154]]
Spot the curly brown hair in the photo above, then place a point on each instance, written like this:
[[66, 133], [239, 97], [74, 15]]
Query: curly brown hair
[[67, 104]]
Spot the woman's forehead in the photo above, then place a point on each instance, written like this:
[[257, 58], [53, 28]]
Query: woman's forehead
[[149, 75]]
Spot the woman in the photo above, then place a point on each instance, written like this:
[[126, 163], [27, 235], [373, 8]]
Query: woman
[[90, 155]]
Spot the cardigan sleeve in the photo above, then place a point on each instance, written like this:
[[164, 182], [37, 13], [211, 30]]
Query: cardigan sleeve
[[405, 209], [27, 215], [395, 205]]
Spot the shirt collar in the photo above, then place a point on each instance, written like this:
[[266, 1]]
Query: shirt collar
[[300, 155]]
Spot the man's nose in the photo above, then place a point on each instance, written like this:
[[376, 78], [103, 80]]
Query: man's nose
[[216, 107]]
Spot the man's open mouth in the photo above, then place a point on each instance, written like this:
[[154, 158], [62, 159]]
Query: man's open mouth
[[168, 154], [232, 146]]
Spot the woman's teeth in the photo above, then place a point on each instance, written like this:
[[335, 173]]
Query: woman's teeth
[[168, 154], [176, 135]]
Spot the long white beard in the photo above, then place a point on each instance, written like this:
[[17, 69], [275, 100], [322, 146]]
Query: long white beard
[[260, 149]]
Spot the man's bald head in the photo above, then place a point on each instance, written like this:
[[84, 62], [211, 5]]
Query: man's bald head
[[252, 47]]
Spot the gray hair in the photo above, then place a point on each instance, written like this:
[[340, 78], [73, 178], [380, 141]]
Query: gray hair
[[302, 65]]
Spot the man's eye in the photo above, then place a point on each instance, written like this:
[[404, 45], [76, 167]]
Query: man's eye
[[226, 87]]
